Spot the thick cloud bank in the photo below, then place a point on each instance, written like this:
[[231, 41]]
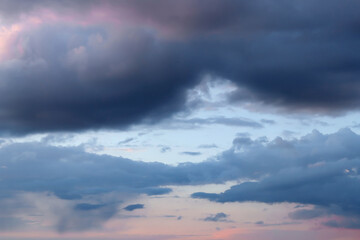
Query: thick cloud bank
[[73, 65], [317, 169], [321, 170]]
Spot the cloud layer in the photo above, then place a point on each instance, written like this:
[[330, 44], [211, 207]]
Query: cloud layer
[[317, 169], [110, 64]]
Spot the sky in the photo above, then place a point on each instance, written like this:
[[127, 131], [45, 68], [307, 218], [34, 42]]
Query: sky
[[191, 120]]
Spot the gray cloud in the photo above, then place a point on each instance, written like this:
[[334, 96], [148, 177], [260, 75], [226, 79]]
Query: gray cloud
[[164, 149], [125, 141], [262, 223], [85, 216], [352, 223], [133, 207], [219, 217], [237, 122], [191, 153], [208, 146], [268, 121], [57, 138], [90, 186], [317, 169], [193, 123], [305, 214], [289, 54]]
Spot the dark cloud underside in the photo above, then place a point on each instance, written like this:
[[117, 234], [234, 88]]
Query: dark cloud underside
[[297, 55]]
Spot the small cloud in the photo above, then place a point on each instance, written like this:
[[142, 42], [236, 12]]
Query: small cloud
[[243, 134], [133, 207], [262, 223], [268, 121], [208, 146], [219, 217], [125, 141], [300, 206], [157, 191], [57, 138], [164, 149], [87, 206], [288, 133], [173, 216], [191, 153]]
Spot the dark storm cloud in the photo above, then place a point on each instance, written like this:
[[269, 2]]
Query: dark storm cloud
[[133, 207], [297, 55], [104, 84]]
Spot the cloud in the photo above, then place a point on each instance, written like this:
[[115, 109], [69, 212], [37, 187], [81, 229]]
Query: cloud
[[219, 217], [199, 122], [87, 206], [208, 146], [164, 149], [94, 70], [80, 190], [305, 214], [57, 138], [133, 207], [10, 223], [85, 216], [262, 223], [191, 153], [353, 223], [110, 72], [125, 141], [317, 169], [84, 190], [268, 121]]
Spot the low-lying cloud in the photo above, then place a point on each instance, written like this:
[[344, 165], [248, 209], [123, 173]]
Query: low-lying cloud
[[317, 169]]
